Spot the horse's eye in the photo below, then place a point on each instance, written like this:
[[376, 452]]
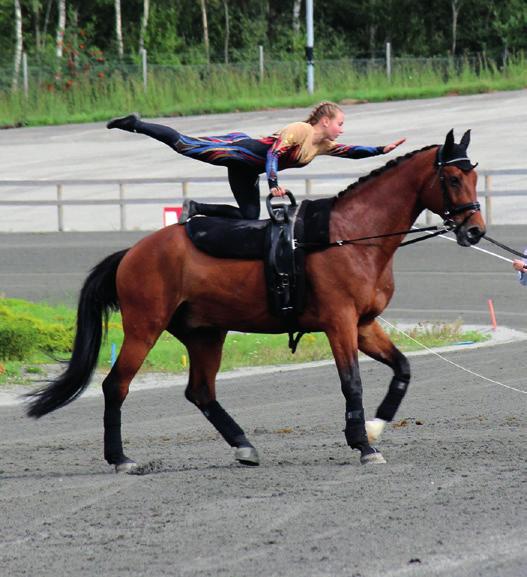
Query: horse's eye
[[454, 181]]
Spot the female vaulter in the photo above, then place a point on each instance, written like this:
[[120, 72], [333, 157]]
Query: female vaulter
[[246, 158]]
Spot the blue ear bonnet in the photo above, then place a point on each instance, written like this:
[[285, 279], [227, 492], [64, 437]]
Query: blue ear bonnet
[[453, 154]]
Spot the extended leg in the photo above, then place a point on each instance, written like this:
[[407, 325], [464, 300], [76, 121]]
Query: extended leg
[[374, 342], [343, 340], [205, 347]]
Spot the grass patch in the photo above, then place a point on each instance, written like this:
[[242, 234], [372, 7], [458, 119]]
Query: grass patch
[[168, 355], [184, 90]]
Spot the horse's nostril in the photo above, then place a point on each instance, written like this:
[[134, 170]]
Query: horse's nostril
[[474, 233]]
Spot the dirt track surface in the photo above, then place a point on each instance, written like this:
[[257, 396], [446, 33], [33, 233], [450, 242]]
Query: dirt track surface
[[450, 501]]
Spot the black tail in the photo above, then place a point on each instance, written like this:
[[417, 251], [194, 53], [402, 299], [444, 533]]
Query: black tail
[[97, 299]]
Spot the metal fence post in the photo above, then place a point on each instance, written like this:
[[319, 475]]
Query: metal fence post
[[60, 208], [122, 206], [25, 74], [488, 198], [310, 42], [389, 60], [145, 68], [308, 187], [184, 188], [261, 61]]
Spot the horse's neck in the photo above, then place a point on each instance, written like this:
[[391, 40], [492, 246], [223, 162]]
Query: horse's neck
[[381, 205]]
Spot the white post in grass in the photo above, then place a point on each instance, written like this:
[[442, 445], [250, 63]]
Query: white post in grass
[[145, 68], [25, 76], [261, 61], [309, 47], [389, 60]]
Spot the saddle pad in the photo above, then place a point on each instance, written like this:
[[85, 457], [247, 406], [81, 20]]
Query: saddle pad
[[228, 237]]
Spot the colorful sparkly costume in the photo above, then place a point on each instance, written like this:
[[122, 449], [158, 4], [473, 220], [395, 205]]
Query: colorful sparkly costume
[[246, 158]]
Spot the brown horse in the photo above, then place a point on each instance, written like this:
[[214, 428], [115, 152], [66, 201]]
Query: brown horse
[[165, 283]]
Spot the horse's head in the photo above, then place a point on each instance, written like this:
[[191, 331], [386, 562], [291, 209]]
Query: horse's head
[[452, 194]]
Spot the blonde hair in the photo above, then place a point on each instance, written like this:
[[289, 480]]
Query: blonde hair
[[325, 108]]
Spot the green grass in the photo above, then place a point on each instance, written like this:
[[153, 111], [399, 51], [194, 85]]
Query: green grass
[[241, 350], [188, 90]]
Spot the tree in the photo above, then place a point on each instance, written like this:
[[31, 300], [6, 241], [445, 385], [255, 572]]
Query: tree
[[227, 32], [18, 46], [297, 4], [205, 29], [35, 7], [61, 28], [456, 5], [510, 23], [119, 28], [144, 24]]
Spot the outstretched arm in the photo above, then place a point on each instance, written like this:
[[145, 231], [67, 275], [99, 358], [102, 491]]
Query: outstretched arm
[[356, 151]]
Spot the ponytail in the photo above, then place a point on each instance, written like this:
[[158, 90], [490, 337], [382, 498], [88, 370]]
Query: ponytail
[[325, 108]]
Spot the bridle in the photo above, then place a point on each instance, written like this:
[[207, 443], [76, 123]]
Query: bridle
[[449, 208]]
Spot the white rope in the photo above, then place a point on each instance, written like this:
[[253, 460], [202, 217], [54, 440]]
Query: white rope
[[480, 249], [448, 360], [441, 356], [474, 247]]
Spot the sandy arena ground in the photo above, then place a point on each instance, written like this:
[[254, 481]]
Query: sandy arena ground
[[450, 501]]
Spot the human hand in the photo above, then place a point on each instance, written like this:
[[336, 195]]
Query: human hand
[[518, 265], [391, 146], [278, 191]]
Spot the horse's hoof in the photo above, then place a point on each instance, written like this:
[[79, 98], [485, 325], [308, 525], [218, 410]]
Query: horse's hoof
[[372, 459], [126, 466], [374, 429], [247, 456]]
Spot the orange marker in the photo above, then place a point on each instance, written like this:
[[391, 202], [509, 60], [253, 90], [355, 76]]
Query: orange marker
[[492, 315]]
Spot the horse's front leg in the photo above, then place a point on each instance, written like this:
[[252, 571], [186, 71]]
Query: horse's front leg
[[343, 341], [375, 343]]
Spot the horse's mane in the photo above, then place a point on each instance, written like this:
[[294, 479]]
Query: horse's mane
[[377, 171]]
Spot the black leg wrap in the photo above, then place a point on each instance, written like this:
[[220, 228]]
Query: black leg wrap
[[355, 430], [225, 424], [391, 402], [113, 446]]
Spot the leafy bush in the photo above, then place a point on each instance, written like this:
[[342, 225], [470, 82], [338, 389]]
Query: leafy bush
[[17, 340], [22, 336]]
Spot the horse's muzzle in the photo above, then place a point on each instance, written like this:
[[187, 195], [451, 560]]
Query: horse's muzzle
[[469, 235]]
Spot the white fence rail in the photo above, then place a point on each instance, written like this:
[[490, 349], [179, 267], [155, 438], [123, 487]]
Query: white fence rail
[[488, 192]]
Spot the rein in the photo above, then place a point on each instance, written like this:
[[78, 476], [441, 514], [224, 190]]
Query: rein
[[437, 232], [504, 246]]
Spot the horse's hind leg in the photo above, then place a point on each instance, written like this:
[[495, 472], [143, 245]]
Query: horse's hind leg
[[115, 387], [374, 342], [205, 347]]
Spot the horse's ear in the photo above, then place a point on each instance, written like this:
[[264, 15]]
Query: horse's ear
[[465, 141], [449, 142]]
